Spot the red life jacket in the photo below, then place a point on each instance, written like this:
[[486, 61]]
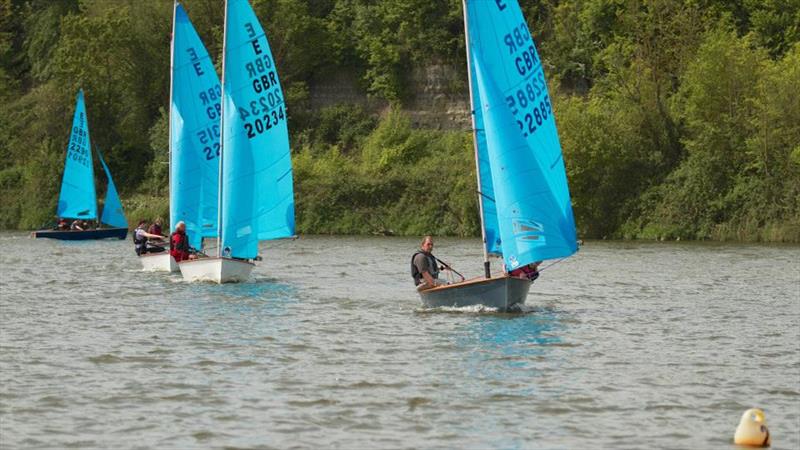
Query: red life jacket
[[179, 246]]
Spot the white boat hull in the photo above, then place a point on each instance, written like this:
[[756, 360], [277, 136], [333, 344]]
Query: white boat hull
[[502, 293], [216, 270], [159, 262]]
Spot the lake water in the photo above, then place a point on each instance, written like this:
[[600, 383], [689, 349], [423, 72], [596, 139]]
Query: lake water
[[624, 345]]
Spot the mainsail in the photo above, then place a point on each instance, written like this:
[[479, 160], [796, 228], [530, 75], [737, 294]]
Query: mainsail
[[526, 168], [77, 198], [194, 133], [257, 198], [113, 214]]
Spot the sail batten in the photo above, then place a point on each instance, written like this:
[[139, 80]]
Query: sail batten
[[519, 148], [256, 191], [78, 198], [194, 133]]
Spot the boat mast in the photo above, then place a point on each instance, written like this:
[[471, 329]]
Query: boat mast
[[169, 117], [486, 268], [221, 132], [94, 185]]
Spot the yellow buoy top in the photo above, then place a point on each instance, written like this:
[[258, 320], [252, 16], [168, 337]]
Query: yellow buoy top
[[752, 429]]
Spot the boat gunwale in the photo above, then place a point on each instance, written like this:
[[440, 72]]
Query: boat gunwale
[[36, 233], [469, 282], [165, 252], [215, 257]]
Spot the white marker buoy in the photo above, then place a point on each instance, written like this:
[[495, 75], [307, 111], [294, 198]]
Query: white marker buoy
[[752, 429]]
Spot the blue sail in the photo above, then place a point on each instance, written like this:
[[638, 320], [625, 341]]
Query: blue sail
[[194, 133], [257, 197], [532, 198], [78, 198], [113, 214]]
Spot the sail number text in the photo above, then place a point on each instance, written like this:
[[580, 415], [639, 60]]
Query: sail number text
[[262, 124], [519, 39], [267, 107], [529, 103], [210, 98], [77, 145], [209, 140]]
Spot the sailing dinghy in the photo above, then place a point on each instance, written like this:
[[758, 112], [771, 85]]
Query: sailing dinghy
[[194, 117], [524, 201], [256, 194], [78, 199]]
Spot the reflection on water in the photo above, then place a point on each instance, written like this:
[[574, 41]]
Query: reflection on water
[[535, 328], [508, 351], [263, 289], [641, 341]]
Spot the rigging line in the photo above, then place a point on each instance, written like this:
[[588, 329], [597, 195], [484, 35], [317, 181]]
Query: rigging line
[[553, 264]]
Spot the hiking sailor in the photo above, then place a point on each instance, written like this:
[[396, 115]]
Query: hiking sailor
[[179, 244], [140, 240]]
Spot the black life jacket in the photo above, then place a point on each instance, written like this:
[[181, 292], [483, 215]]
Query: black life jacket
[[416, 274]]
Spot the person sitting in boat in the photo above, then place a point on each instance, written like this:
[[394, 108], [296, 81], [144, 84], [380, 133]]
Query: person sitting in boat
[[63, 225], [77, 225], [424, 269], [155, 228], [529, 271], [179, 243], [141, 240]]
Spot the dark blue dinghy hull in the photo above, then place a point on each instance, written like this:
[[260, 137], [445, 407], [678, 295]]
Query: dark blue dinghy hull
[[102, 233]]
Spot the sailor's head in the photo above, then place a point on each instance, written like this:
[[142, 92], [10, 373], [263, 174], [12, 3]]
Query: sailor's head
[[158, 221], [181, 226], [427, 244], [142, 223]]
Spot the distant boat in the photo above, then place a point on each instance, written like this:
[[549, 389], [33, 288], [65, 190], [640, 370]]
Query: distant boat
[[78, 199], [194, 132], [256, 194], [526, 213]]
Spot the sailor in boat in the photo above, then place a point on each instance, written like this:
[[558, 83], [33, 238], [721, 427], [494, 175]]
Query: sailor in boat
[[155, 228], [424, 268], [141, 240], [529, 271], [179, 244], [62, 225]]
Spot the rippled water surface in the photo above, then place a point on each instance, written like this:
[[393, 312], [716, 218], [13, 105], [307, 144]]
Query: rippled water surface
[[625, 345]]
